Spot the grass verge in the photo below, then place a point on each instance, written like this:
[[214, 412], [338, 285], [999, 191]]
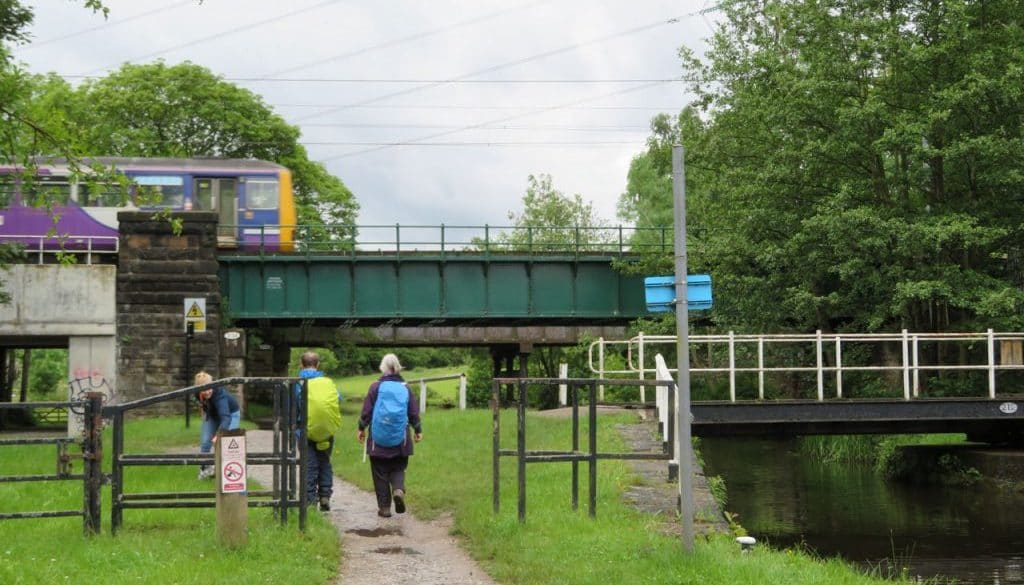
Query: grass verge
[[153, 546], [451, 472]]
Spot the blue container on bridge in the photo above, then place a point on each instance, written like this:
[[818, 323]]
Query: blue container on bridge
[[660, 293]]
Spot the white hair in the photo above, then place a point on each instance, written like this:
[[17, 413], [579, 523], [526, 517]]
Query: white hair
[[389, 364]]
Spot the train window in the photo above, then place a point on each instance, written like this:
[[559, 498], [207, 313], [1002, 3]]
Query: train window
[[261, 194], [99, 195], [6, 192], [38, 191], [160, 191]]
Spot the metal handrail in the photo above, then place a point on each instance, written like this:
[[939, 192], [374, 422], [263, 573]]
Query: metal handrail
[[397, 238], [824, 345]]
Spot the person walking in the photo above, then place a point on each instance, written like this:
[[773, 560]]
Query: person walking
[[220, 412], [323, 406], [389, 410]]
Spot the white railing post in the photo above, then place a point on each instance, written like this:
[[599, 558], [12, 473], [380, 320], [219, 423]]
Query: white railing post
[[820, 362], [563, 389], [760, 367], [991, 364], [423, 395], [916, 362], [906, 365], [732, 367], [462, 391], [600, 369], [839, 367], [640, 357]]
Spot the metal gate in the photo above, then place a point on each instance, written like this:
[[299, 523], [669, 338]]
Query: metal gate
[[91, 454]]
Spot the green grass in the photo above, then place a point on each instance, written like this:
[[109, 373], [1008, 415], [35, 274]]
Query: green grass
[[355, 387], [153, 546], [451, 472]]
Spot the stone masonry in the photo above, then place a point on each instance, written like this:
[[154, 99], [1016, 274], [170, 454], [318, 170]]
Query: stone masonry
[[157, 271]]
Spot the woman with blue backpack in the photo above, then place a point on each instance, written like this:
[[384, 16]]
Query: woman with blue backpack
[[389, 409]]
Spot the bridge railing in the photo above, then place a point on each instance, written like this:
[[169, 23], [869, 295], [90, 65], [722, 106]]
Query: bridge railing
[[825, 356], [461, 239]]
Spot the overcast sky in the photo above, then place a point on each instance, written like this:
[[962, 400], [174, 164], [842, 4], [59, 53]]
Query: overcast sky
[[430, 112]]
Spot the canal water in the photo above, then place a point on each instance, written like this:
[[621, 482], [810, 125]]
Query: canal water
[[787, 499]]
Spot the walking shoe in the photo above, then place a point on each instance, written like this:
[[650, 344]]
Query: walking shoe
[[325, 503], [206, 472], [399, 497], [384, 512]]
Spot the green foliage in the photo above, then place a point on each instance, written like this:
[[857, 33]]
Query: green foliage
[[856, 166]]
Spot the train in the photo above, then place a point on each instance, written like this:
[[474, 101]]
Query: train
[[254, 200]]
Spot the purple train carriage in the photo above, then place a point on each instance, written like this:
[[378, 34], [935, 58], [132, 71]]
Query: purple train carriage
[[253, 200]]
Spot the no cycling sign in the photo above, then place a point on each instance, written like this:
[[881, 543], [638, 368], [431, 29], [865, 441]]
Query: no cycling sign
[[232, 463]]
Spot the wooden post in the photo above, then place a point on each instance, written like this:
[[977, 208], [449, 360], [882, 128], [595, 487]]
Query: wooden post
[[232, 493]]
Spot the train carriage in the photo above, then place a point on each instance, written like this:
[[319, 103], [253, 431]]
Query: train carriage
[[253, 200]]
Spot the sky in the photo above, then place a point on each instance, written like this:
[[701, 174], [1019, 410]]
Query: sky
[[430, 112]]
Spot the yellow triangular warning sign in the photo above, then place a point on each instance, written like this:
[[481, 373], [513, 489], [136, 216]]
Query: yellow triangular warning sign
[[195, 312]]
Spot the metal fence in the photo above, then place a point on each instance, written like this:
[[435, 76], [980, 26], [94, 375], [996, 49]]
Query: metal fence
[[988, 353], [286, 457], [91, 455]]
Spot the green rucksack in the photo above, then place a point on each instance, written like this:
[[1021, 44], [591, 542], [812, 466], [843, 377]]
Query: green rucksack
[[324, 411]]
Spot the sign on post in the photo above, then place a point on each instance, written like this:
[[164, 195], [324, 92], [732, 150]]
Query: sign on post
[[660, 293], [232, 496], [195, 313]]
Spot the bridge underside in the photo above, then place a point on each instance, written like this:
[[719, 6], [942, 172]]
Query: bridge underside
[[441, 336], [980, 417]]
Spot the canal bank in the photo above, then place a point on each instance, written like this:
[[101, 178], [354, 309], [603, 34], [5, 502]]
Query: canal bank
[[787, 499]]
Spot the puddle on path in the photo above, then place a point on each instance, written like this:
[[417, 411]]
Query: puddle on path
[[397, 550], [375, 532]]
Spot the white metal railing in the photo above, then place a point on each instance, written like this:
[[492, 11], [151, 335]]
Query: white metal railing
[[461, 377], [42, 245], [824, 345]]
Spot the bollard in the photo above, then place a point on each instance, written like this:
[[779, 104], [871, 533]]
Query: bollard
[[232, 493]]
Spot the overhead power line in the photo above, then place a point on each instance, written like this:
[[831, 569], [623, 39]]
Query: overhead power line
[[420, 139], [107, 24], [505, 65], [222, 34], [478, 107], [433, 81]]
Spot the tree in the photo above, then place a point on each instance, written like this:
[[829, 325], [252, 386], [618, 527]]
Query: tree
[[863, 164], [553, 221]]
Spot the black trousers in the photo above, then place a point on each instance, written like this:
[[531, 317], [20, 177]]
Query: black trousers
[[388, 475]]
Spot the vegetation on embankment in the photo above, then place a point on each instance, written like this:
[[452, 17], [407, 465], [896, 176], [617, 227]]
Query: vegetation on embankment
[[451, 473], [934, 462], [153, 546]]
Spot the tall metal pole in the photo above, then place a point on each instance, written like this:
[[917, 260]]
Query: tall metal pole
[[685, 449]]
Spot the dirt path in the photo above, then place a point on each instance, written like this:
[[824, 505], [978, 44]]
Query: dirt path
[[386, 551]]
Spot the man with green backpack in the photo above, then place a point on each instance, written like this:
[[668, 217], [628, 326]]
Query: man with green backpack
[[323, 406]]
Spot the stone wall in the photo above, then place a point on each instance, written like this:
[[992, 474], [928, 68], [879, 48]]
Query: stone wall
[[157, 271]]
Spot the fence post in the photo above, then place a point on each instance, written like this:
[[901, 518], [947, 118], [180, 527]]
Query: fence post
[[732, 367], [563, 373], [906, 365], [423, 395], [640, 358], [462, 391], [820, 362], [917, 376], [839, 367], [92, 462], [232, 495], [760, 367], [991, 364], [600, 367]]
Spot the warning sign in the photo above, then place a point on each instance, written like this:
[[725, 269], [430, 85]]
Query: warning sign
[[232, 461], [195, 313]]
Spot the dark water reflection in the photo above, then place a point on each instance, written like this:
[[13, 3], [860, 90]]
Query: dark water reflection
[[975, 536]]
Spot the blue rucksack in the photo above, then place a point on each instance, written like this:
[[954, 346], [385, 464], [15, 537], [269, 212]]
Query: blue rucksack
[[390, 414]]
